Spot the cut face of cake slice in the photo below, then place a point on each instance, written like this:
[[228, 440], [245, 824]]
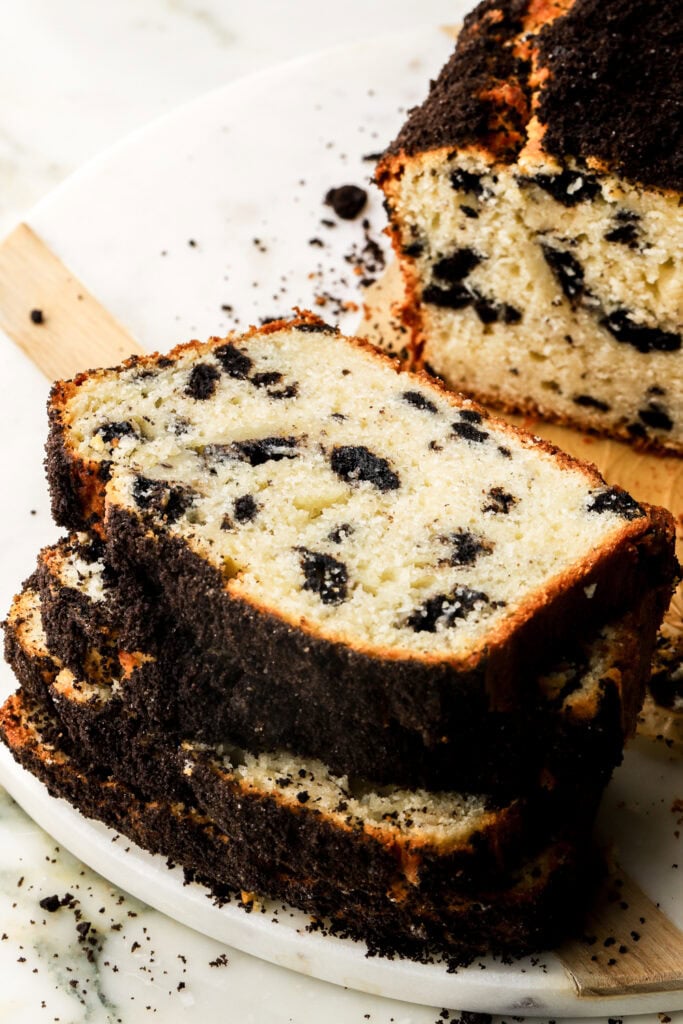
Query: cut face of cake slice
[[297, 499], [534, 205]]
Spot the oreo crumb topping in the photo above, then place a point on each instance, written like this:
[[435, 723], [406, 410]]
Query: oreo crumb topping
[[413, 249], [567, 271], [612, 499], [419, 401], [347, 201], [37, 316], [467, 430], [235, 363], [626, 110], [466, 547], [443, 610], [93, 550], [568, 187], [499, 501], [110, 432], [340, 533], [356, 462], [317, 328], [466, 103], [245, 508], [469, 212], [466, 181], [202, 382], [645, 339], [656, 416], [256, 451], [587, 401], [162, 498], [457, 266], [324, 575]]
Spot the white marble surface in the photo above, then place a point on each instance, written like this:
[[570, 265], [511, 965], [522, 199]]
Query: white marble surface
[[74, 77]]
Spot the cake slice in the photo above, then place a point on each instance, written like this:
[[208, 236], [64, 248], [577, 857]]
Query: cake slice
[[571, 735], [534, 206], [282, 849], [300, 503], [585, 713]]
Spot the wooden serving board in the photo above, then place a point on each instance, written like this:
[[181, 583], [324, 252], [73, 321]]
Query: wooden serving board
[[51, 316], [75, 333]]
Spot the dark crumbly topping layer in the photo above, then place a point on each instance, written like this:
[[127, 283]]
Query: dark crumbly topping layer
[[465, 105], [614, 91], [616, 87]]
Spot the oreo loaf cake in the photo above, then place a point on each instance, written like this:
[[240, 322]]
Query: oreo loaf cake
[[298, 501], [333, 634], [534, 206]]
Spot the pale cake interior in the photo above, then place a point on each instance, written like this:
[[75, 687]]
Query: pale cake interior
[[342, 494], [548, 287]]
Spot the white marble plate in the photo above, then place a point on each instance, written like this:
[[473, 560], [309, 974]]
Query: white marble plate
[[217, 206]]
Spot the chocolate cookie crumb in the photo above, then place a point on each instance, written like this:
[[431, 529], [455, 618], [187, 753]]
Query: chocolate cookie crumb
[[347, 201]]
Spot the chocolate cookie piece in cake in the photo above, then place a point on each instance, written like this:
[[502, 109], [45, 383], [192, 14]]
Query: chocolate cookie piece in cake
[[549, 147], [404, 479], [529, 910]]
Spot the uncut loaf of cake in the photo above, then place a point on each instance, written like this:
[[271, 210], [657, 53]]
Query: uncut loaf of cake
[[534, 205], [305, 506], [270, 842], [568, 739]]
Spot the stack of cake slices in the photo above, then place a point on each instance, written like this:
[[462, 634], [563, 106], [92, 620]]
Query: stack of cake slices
[[327, 633]]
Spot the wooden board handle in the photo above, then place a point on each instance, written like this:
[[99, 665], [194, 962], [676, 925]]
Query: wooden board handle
[[69, 331], [630, 946]]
